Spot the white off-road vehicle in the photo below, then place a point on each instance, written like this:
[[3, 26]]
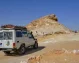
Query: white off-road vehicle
[[16, 39]]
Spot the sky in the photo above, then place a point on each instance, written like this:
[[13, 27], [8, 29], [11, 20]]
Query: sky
[[22, 12]]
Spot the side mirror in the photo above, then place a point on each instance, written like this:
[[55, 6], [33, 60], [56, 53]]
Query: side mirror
[[31, 32]]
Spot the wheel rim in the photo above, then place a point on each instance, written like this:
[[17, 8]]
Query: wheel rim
[[22, 50]]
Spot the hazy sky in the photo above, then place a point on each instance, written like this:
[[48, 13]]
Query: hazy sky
[[22, 12]]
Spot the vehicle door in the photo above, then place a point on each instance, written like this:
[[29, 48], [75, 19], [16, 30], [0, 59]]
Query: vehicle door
[[6, 39], [31, 38]]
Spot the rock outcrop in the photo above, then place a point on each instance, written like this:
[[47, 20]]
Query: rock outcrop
[[47, 25]]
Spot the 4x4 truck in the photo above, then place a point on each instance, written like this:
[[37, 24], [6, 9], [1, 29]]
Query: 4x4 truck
[[16, 39]]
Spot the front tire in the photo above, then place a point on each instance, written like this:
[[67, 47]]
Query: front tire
[[22, 50], [35, 46]]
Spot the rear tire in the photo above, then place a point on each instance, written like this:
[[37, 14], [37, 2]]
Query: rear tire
[[22, 50], [35, 46], [7, 52]]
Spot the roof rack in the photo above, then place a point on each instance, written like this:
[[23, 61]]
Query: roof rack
[[9, 26]]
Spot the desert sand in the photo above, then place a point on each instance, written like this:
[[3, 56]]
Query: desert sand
[[64, 52], [55, 49]]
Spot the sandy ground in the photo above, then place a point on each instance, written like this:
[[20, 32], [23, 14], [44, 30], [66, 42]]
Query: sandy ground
[[64, 52], [49, 51]]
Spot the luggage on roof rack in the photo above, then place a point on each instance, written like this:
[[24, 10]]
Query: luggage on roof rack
[[14, 27]]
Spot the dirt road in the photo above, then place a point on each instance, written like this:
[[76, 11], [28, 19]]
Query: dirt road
[[43, 48]]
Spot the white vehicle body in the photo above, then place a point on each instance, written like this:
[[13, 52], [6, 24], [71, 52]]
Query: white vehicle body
[[13, 39]]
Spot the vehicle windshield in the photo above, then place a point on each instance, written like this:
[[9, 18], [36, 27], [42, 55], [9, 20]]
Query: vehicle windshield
[[5, 35]]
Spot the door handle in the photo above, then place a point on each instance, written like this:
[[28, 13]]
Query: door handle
[[17, 41]]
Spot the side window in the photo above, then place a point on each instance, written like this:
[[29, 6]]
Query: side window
[[24, 34], [18, 34], [29, 35]]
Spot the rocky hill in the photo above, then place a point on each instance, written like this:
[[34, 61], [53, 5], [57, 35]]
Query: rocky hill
[[47, 25]]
